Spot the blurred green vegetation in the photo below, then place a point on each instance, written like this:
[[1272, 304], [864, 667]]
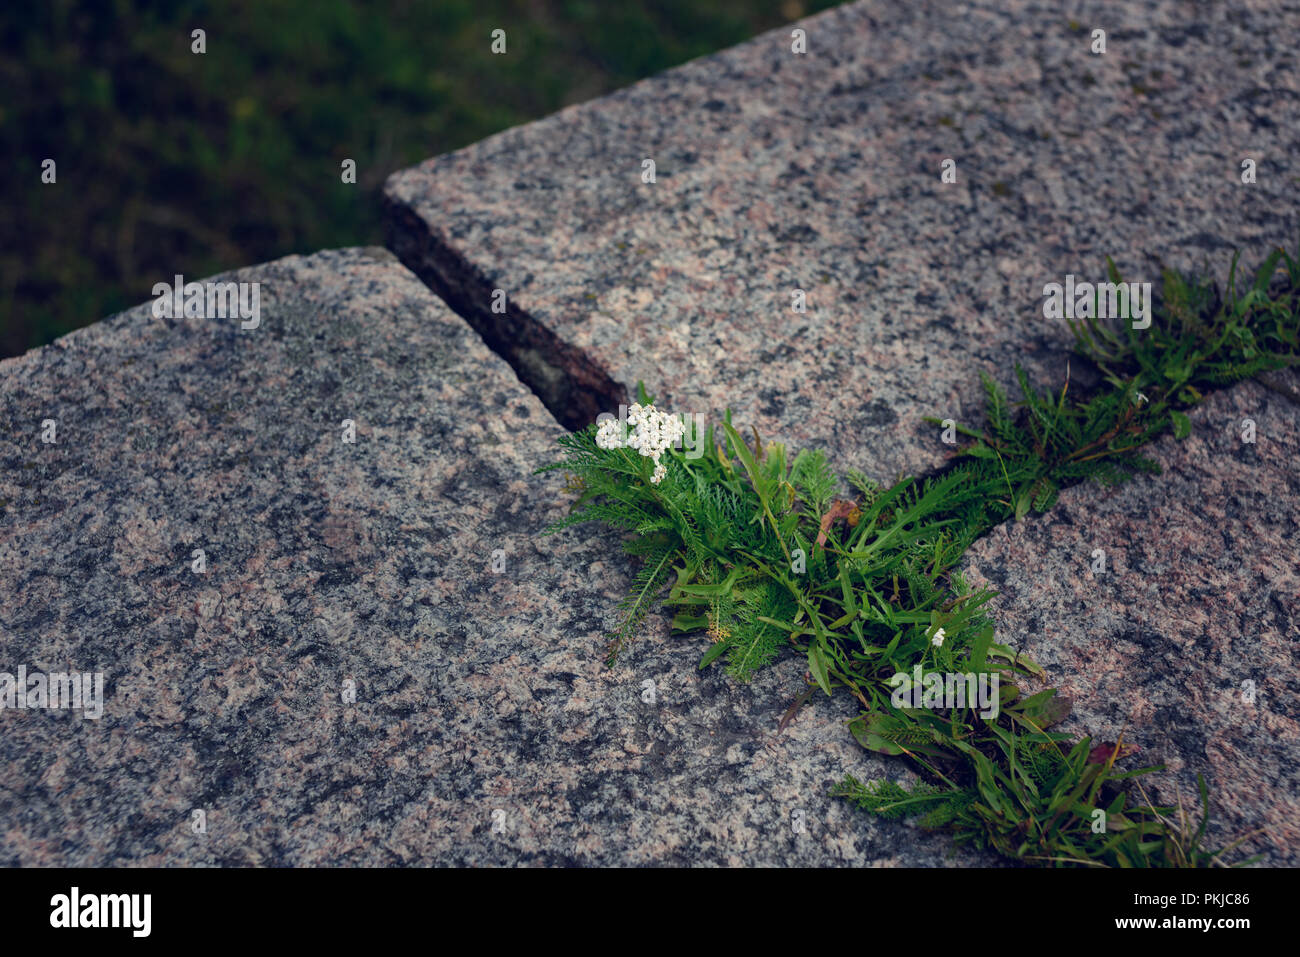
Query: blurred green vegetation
[[169, 161]]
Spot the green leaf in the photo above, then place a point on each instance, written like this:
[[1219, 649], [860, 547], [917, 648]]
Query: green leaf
[[866, 729], [706, 591], [1182, 425], [1045, 494], [712, 653], [747, 459], [1024, 499], [1045, 708], [817, 665], [684, 622], [979, 649], [980, 451]]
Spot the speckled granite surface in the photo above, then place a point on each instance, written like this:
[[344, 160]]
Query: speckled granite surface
[[777, 171], [485, 728], [1200, 594], [475, 691]]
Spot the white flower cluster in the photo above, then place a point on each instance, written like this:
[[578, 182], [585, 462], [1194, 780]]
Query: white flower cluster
[[654, 433]]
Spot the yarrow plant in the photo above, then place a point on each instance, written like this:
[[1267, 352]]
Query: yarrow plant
[[654, 433], [759, 551]]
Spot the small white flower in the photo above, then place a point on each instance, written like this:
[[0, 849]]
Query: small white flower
[[654, 432], [609, 435], [938, 638]]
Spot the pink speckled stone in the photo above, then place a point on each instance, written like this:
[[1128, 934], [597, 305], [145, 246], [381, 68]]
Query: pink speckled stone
[[778, 171], [476, 692]]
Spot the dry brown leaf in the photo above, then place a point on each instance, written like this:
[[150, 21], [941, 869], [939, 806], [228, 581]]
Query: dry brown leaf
[[840, 508]]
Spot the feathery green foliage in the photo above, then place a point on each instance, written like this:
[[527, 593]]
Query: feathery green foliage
[[756, 550]]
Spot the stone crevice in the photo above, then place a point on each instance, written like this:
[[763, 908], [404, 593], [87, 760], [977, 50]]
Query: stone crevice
[[572, 386]]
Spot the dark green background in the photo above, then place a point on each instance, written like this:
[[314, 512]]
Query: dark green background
[[173, 162]]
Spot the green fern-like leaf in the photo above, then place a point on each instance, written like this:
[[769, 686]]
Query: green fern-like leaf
[[890, 800], [647, 584], [811, 476], [754, 643]]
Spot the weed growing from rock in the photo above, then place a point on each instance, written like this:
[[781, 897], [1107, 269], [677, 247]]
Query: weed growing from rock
[[767, 552]]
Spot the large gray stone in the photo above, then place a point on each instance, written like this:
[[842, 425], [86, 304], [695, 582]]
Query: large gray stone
[[778, 171], [1200, 594], [476, 691]]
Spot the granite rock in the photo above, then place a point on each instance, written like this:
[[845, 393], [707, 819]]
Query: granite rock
[[778, 171], [382, 662], [485, 730], [1185, 638]]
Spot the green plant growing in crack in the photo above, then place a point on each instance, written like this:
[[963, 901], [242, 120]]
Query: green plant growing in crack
[[757, 549]]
